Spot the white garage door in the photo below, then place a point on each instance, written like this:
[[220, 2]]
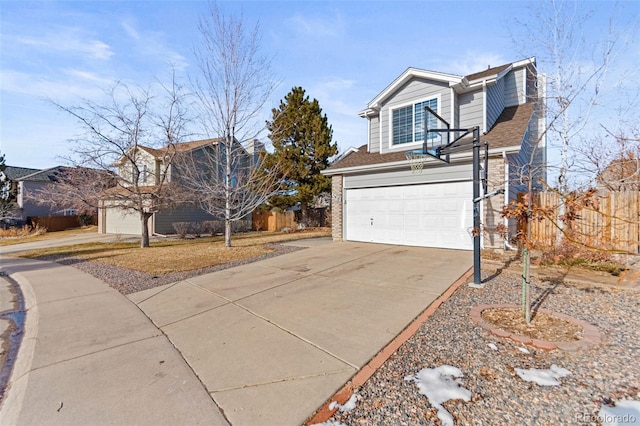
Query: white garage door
[[428, 215], [119, 221]]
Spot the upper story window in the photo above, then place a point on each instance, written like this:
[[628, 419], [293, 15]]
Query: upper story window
[[408, 122]]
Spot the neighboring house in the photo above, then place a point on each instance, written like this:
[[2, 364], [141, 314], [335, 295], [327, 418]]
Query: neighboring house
[[28, 182], [377, 198], [622, 174], [161, 165]]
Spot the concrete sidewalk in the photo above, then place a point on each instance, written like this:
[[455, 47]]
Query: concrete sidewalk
[[71, 240], [89, 356], [272, 340]]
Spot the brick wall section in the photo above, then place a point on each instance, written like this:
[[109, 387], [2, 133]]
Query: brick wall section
[[493, 206], [336, 207]]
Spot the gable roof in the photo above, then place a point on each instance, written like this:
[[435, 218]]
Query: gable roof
[[409, 74], [33, 175], [15, 173], [457, 82], [180, 147], [508, 132]]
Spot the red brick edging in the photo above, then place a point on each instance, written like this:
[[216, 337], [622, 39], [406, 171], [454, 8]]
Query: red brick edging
[[590, 335], [324, 413]]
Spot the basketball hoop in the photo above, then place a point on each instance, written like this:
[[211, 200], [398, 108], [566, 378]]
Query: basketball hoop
[[416, 160]]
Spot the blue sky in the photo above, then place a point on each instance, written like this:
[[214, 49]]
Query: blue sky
[[343, 53]]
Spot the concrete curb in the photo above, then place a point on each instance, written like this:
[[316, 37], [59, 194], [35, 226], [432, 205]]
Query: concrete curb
[[12, 405], [324, 413]]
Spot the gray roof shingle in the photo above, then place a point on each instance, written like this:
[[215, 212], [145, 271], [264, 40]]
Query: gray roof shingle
[[508, 131]]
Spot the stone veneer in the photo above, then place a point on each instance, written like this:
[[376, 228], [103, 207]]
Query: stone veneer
[[493, 206], [336, 207]]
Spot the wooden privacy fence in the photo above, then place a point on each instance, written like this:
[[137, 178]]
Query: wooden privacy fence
[[273, 221], [58, 223], [613, 223]]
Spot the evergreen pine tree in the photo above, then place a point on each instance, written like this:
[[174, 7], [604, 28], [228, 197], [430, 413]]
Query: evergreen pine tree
[[302, 141]]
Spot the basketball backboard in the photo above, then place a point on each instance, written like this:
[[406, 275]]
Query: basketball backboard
[[436, 134]]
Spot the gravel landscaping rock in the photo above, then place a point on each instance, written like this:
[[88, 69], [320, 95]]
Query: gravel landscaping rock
[[607, 373]]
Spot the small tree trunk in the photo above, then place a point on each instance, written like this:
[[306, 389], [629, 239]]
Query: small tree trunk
[[227, 233], [144, 218], [526, 261], [227, 192]]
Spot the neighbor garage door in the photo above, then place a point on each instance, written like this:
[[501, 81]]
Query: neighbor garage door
[[429, 215], [118, 221]]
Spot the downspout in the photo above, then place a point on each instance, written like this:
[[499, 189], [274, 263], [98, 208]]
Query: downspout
[[380, 131], [368, 133], [507, 246], [343, 201]]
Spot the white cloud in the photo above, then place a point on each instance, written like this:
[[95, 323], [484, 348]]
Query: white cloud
[[152, 44], [43, 87], [68, 40], [337, 100], [318, 27], [131, 32]]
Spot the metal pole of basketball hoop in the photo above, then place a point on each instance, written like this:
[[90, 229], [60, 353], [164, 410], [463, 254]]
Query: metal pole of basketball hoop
[[458, 144], [477, 279]]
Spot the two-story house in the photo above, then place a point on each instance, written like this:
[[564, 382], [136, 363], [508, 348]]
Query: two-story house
[[377, 198], [27, 184], [147, 168]]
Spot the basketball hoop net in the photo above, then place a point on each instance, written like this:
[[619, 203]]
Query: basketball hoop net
[[416, 160]]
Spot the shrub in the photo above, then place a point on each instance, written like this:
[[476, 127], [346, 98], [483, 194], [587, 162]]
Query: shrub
[[182, 229], [568, 253], [85, 219], [23, 232], [213, 227]]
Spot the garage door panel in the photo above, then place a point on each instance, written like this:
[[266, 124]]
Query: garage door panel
[[120, 221], [430, 215]]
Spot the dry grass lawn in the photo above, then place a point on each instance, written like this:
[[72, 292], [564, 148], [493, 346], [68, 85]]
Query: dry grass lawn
[[177, 255]]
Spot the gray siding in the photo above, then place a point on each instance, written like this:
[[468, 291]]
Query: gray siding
[[29, 197], [470, 109], [532, 90], [164, 220], [430, 174], [495, 102], [415, 90], [456, 113], [514, 87], [374, 134]]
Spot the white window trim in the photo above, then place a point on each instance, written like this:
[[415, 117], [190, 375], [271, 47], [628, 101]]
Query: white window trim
[[410, 145]]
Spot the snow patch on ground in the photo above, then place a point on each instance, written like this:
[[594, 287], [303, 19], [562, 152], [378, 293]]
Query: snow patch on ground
[[523, 350], [493, 346], [439, 385], [347, 406], [330, 423], [624, 413], [543, 377]]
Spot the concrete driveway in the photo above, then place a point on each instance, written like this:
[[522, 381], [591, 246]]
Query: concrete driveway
[[272, 340]]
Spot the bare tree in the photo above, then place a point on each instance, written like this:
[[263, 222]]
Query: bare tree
[[232, 88], [8, 192], [574, 78], [574, 86], [123, 158]]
